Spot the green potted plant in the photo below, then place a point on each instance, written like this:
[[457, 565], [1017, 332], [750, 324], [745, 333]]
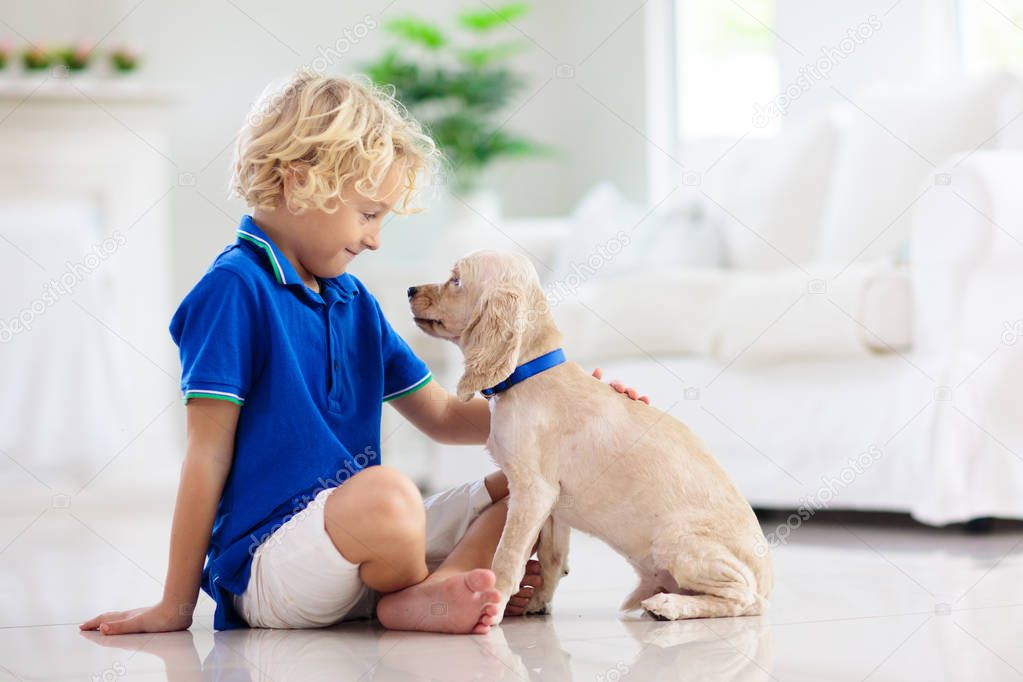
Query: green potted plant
[[124, 59], [459, 86], [5, 54], [76, 57], [36, 57]]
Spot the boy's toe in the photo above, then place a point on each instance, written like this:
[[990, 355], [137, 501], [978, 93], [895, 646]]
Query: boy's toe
[[480, 579]]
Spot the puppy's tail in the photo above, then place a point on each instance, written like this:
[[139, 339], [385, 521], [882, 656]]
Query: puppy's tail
[[644, 590]]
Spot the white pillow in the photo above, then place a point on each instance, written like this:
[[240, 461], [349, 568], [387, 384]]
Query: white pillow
[[684, 232], [599, 237], [780, 316], [771, 194], [649, 312], [609, 236], [885, 156]]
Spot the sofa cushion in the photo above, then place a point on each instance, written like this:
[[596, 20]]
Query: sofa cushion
[[648, 311], [891, 151], [784, 316], [748, 318], [770, 194]]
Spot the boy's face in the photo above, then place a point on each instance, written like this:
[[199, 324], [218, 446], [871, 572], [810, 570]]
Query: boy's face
[[325, 243]]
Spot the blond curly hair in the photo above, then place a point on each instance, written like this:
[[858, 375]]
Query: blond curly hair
[[331, 132]]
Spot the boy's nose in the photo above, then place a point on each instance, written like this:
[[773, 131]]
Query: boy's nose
[[372, 241], [411, 292]]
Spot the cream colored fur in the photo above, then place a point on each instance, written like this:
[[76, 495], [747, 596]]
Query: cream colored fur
[[578, 454]]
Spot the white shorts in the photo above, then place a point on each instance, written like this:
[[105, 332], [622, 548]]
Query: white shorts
[[300, 580]]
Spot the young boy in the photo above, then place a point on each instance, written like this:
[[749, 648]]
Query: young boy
[[286, 361]]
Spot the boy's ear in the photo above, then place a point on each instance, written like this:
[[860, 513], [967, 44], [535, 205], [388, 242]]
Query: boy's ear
[[491, 341]]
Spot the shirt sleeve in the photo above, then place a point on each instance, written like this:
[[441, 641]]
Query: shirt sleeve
[[404, 372], [215, 331]]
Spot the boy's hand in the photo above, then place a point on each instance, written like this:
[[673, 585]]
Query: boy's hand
[[157, 618], [620, 387]]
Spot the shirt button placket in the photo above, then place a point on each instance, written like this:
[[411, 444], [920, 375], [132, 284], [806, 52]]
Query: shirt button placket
[[333, 363]]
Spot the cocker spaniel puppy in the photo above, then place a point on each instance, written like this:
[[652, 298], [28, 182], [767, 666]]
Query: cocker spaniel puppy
[[578, 455]]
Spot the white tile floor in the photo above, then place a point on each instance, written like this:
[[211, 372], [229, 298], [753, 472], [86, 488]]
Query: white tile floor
[[853, 601]]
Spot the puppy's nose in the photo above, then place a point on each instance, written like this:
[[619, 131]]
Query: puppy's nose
[[411, 292]]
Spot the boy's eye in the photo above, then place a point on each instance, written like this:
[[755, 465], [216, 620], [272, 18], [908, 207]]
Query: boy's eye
[[369, 216]]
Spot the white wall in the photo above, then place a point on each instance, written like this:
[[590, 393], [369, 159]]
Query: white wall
[[217, 60]]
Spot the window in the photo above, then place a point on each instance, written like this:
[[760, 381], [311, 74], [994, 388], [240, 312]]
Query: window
[[727, 63], [991, 33]]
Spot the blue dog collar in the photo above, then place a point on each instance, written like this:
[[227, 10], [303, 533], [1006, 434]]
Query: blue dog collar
[[523, 372]]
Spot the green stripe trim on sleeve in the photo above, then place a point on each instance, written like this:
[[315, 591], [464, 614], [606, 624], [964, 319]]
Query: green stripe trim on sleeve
[[215, 396], [411, 389]]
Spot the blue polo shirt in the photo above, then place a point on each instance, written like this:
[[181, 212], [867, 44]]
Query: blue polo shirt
[[311, 372]]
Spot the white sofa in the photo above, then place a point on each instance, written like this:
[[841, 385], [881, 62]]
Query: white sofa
[[834, 311]]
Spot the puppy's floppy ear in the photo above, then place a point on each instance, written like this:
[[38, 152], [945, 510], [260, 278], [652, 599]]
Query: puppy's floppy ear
[[491, 341]]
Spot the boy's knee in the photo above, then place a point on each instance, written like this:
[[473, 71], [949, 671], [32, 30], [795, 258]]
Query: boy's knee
[[497, 485], [378, 500], [392, 495]]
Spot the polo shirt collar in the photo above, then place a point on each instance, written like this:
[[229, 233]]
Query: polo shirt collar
[[283, 271]]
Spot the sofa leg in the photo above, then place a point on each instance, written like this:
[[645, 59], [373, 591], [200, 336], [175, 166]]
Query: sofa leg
[[981, 525]]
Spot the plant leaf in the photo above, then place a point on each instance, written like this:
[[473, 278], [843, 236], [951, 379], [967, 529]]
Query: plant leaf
[[482, 57], [417, 31], [489, 19]]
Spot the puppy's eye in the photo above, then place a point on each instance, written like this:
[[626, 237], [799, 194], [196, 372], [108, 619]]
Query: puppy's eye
[[454, 281]]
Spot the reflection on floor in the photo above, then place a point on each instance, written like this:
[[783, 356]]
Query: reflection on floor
[[853, 601]]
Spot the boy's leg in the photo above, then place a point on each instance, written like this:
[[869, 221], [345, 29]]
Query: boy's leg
[[377, 520], [403, 609]]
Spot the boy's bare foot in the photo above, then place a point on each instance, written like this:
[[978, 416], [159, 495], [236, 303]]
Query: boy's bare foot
[[461, 603]]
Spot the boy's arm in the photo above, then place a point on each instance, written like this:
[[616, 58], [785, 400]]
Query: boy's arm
[[446, 419], [211, 430]]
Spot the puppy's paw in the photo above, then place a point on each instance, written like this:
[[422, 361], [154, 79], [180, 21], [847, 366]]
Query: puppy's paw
[[538, 605], [662, 607]]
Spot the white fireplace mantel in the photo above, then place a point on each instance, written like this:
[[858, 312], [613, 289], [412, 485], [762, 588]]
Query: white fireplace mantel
[[84, 163]]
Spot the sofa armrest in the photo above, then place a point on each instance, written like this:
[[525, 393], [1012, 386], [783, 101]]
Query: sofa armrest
[[966, 225]]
